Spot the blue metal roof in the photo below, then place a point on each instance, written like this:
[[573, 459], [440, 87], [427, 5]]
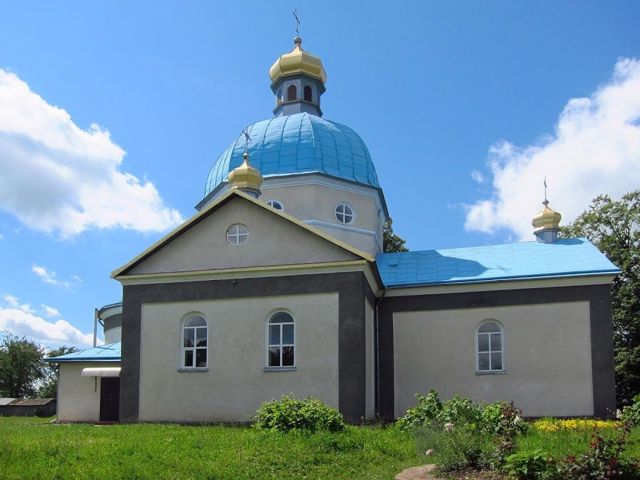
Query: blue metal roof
[[102, 353], [299, 143], [562, 258]]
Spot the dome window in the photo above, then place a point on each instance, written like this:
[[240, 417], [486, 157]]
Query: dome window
[[275, 204], [292, 93], [344, 213], [308, 94], [237, 234]]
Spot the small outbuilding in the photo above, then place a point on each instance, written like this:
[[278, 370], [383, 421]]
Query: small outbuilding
[[29, 407]]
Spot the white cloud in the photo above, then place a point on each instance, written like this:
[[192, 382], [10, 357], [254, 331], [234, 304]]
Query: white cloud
[[21, 320], [50, 311], [477, 176], [14, 303], [595, 149], [56, 177], [50, 277]]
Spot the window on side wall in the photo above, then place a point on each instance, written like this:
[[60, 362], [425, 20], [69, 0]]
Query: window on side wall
[[195, 342], [281, 340], [490, 348], [344, 213]]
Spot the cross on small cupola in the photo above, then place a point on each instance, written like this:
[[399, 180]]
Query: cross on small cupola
[[245, 177], [297, 80], [546, 223]]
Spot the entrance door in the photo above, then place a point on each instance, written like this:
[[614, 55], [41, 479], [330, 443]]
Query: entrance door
[[109, 399]]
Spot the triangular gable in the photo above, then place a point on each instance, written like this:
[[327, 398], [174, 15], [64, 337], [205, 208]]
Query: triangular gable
[[276, 238]]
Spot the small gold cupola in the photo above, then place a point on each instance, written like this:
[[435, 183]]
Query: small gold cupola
[[546, 223], [246, 178], [297, 61], [297, 80]]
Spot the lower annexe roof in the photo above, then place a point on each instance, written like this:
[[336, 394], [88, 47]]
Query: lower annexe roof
[[527, 260], [102, 353]]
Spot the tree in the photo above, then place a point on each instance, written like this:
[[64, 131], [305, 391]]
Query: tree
[[49, 386], [614, 227], [390, 241], [21, 367]]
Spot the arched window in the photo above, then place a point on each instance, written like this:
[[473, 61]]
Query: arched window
[[281, 340], [490, 347], [292, 93], [344, 213], [194, 342], [308, 94]]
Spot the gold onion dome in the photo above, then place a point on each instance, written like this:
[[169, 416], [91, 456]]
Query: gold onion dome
[[297, 61], [546, 219], [245, 177]]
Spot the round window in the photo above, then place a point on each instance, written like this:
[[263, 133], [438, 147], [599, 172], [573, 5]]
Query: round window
[[344, 214], [237, 234], [275, 204]]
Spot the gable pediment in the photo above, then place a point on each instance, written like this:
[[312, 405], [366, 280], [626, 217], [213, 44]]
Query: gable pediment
[[274, 240]]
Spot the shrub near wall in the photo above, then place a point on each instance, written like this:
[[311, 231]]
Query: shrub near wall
[[289, 413], [461, 434]]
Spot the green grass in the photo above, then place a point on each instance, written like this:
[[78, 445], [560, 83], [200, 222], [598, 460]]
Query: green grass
[[32, 448], [560, 444]]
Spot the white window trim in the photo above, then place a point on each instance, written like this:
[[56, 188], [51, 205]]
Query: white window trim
[[502, 349], [353, 213], [280, 368], [181, 365], [236, 234]]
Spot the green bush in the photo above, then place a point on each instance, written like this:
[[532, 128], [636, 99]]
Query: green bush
[[501, 418], [462, 448], [531, 465], [426, 411], [290, 413], [631, 413]]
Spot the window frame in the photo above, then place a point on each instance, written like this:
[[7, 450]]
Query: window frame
[[271, 202], [237, 234], [344, 214], [490, 351], [292, 88], [183, 349], [281, 344]]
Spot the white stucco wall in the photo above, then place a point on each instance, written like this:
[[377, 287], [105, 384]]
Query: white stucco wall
[[317, 204], [79, 397], [112, 335], [547, 357], [236, 382], [205, 247], [369, 362], [313, 198]]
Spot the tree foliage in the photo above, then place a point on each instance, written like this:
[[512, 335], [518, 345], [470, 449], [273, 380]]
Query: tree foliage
[[21, 367], [390, 241], [23, 372], [614, 227]]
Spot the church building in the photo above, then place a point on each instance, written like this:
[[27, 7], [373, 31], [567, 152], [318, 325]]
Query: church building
[[279, 285]]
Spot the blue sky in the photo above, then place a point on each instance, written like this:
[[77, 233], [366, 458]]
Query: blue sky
[[465, 107]]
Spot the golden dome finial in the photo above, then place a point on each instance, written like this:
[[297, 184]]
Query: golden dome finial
[[297, 61], [245, 177], [546, 223]]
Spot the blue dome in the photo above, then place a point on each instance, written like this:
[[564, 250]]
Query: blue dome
[[295, 144]]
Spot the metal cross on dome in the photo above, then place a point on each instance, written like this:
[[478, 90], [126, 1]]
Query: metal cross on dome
[[247, 137], [546, 202], [295, 14]]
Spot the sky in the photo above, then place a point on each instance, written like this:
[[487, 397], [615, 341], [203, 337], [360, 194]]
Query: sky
[[112, 113]]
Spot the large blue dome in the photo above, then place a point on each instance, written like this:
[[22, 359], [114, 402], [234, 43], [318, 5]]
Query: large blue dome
[[299, 143]]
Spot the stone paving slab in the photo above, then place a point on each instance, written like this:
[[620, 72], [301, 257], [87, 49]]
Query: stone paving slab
[[424, 472]]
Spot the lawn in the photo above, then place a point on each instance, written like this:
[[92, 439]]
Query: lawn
[[32, 448]]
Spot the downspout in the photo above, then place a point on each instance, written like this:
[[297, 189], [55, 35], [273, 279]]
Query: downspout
[[376, 326], [95, 327]]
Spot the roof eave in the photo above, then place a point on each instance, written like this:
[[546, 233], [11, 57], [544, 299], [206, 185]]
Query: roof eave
[[604, 273]]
